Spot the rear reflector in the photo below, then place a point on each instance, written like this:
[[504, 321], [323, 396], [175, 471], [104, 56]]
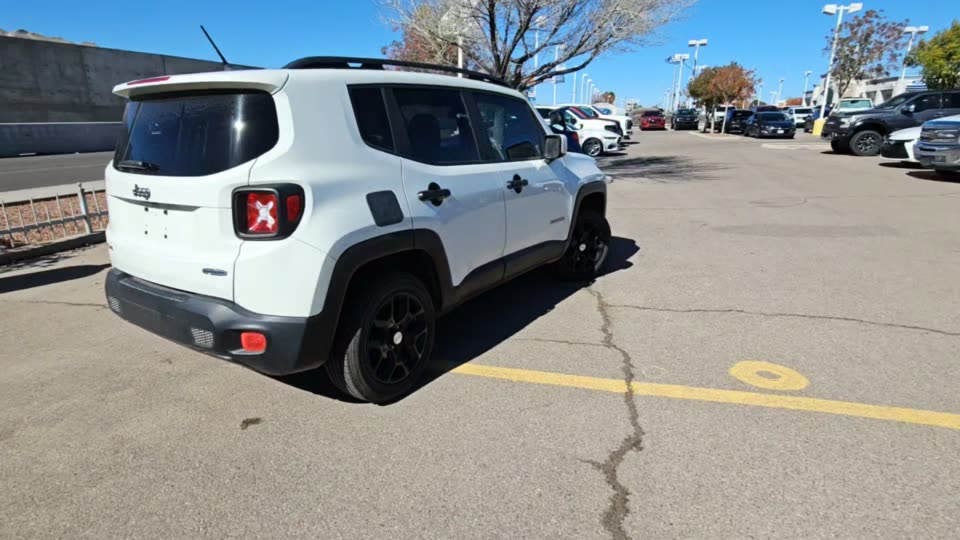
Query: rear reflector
[[150, 80], [253, 342], [294, 207]]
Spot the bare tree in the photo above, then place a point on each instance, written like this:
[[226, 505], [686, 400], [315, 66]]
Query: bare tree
[[869, 45], [502, 37]]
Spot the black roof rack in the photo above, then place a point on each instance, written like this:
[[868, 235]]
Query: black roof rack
[[346, 62]]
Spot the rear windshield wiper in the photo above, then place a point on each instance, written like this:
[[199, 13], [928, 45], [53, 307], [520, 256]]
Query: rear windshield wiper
[[134, 165]]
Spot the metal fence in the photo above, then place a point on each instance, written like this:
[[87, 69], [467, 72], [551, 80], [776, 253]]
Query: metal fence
[[41, 215]]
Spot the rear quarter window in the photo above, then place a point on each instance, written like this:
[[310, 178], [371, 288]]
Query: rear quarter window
[[195, 134], [371, 114]]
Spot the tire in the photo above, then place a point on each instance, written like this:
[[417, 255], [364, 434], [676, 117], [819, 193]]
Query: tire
[[839, 147], [866, 143], [385, 339], [592, 147], [588, 249]]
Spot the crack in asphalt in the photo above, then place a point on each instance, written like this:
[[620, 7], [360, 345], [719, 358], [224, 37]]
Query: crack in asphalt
[[791, 315], [57, 303], [613, 518], [562, 342]]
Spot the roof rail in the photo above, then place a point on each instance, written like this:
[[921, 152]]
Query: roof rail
[[347, 62]]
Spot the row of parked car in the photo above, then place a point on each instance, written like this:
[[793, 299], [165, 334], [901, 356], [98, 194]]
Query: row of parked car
[[593, 130]]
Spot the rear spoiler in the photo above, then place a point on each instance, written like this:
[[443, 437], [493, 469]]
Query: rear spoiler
[[259, 79]]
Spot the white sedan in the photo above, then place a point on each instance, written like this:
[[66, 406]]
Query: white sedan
[[899, 144]]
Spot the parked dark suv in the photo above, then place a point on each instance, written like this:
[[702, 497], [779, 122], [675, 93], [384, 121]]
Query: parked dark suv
[[862, 132], [684, 119]]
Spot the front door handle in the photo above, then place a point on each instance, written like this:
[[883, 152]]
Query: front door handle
[[434, 193], [517, 184]]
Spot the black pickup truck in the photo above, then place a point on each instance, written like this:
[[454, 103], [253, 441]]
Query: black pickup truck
[[862, 132]]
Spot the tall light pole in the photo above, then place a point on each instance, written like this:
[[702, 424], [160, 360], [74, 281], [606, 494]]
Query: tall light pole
[[838, 10], [913, 31], [806, 80], [678, 59], [779, 90], [696, 44], [759, 93], [773, 96], [583, 84]]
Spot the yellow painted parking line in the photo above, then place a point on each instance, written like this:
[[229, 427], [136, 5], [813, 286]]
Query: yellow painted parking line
[[713, 395]]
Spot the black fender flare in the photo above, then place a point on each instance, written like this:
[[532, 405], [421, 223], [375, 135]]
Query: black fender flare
[[598, 186]]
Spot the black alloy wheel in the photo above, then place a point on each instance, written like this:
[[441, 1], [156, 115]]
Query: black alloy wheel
[[385, 338], [396, 338], [588, 249], [866, 143]]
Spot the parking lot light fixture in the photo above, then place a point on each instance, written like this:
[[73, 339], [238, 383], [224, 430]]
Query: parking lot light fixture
[[913, 31], [806, 81], [696, 44], [838, 10]]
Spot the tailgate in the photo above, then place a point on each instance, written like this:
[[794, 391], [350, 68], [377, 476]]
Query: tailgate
[[171, 181]]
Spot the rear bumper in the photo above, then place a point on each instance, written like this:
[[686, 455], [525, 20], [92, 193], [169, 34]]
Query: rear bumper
[[213, 326]]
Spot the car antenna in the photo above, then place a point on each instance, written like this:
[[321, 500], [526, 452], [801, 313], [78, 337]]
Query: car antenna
[[226, 65]]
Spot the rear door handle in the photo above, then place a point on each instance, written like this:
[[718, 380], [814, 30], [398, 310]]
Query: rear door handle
[[434, 193], [517, 184]]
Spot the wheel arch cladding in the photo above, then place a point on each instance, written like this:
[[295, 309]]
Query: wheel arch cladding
[[870, 126], [416, 262]]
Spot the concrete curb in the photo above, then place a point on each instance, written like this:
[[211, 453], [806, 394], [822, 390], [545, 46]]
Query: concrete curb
[[8, 257]]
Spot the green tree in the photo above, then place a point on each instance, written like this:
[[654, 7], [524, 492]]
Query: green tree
[[868, 46], [940, 59], [608, 97]]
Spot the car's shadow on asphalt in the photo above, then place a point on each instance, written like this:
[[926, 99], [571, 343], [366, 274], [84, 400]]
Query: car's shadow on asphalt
[[900, 165], [485, 321], [20, 282], [660, 169], [927, 174]]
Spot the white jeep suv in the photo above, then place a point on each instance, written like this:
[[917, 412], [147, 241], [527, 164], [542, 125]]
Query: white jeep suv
[[326, 213]]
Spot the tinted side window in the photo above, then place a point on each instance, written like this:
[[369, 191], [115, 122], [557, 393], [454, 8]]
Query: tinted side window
[[437, 126], [951, 100], [371, 115], [511, 129], [929, 101]]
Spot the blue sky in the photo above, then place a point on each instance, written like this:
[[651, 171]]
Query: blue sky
[[776, 40]]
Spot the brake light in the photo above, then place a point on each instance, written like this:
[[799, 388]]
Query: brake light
[[575, 137], [149, 80], [267, 212]]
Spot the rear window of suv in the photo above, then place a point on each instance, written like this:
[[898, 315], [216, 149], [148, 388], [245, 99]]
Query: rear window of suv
[[195, 134]]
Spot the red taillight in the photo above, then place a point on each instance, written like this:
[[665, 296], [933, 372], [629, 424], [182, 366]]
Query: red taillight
[[267, 212], [253, 342], [575, 137], [262, 212], [294, 207]]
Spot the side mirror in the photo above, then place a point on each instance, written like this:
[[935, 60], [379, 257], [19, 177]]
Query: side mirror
[[554, 147], [909, 108]]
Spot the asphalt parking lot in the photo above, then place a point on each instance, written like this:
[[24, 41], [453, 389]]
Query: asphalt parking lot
[[774, 353]]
